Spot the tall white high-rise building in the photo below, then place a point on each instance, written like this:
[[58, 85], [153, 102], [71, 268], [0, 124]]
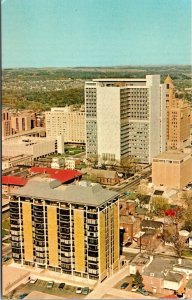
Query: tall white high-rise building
[[125, 118]]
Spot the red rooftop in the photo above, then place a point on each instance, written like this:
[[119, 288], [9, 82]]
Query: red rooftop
[[14, 180], [63, 176]]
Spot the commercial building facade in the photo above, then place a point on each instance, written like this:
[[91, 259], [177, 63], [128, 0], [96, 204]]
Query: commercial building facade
[[178, 119], [67, 122], [68, 229], [125, 118], [172, 169], [22, 121]]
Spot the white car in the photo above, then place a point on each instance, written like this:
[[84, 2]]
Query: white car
[[78, 290], [134, 288], [33, 280]]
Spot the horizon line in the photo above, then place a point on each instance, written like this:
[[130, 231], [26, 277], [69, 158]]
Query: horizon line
[[98, 66]]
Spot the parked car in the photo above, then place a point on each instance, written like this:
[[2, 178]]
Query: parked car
[[124, 285], [78, 290], [134, 288], [50, 284], [33, 280], [62, 285], [85, 291], [5, 258], [22, 296], [143, 291]]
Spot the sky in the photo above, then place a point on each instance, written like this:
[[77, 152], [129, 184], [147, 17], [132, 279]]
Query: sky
[[69, 33]]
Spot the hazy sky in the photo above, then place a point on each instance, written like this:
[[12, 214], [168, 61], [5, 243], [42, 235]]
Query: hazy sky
[[58, 33]]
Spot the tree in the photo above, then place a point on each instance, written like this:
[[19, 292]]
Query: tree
[[187, 213], [144, 199], [138, 279], [172, 235], [127, 164], [93, 159], [179, 244], [159, 205]]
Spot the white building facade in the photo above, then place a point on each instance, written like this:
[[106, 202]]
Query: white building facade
[[66, 122], [125, 118], [34, 146]]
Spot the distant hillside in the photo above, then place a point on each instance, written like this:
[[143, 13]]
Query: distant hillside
[[41, 88]]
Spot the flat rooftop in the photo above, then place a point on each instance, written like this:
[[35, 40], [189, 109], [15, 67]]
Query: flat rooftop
[[172, 155], [13, 158], [141, 260], [26, 132], [119, 79], [159, 265], [89, 194], [27, 140]]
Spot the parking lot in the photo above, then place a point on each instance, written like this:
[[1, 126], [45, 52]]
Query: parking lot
[[41, 286], [128, 279]]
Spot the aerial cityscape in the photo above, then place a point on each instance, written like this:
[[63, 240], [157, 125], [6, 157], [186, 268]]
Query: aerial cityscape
[[96, 149]]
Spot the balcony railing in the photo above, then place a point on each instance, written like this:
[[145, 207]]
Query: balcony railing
[[14, 216]]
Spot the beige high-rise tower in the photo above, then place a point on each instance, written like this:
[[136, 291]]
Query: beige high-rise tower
[[178, 119]]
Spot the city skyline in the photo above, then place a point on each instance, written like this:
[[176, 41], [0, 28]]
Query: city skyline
[[103, 33]]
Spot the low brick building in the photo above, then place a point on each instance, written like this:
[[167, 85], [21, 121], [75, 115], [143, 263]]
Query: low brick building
[[127, 207], [105, 177], [159, 276], [149, 240], [152, 225], [131, 226]]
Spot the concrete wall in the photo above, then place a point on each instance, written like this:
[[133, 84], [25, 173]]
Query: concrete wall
[[153, 83], [108, 121], [172, 285]]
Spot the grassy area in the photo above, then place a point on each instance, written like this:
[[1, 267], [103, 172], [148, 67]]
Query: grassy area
[[73, 151], [81, 166], [187, 253]]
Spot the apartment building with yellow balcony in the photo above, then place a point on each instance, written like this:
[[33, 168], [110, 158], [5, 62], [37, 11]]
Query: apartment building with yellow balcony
[[70, 229]]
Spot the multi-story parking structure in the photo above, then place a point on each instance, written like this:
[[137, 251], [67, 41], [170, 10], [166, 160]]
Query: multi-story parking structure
[[70, 229], [125, 118]]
